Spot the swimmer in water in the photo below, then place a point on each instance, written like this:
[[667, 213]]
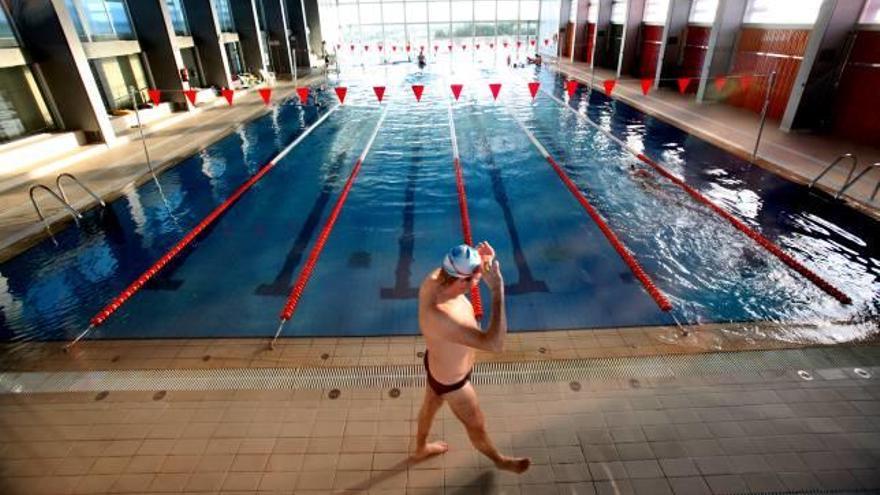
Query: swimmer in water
[[643, 177]]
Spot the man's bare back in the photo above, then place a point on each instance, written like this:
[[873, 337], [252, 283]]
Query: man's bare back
[[452, 333]]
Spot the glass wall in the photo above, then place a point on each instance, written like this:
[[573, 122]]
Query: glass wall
[[782, 12], [101, 20], [114, 76], [440, 23], [191, 62], [224, 15], [233, 55], [22, 109], [703, 11], [178, 17], [7, 34]]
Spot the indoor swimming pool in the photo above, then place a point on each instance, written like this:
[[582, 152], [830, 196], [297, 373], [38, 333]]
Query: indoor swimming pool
[[402, 213]]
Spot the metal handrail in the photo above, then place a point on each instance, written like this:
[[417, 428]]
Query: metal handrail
[[855, 162], [73, 212], [80, 184], [855, 179]]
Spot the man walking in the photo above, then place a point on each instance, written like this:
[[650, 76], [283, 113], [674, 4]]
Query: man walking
[[451, 332]]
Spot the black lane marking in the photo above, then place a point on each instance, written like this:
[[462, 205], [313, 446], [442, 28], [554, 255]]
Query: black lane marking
[[282, 284], [407, 241], [526, 282]]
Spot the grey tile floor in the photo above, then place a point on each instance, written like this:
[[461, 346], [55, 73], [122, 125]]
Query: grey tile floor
[[709, 434]]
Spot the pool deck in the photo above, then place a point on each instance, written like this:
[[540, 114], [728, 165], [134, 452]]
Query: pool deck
[[755, 426], [111, 170], [796, 156]]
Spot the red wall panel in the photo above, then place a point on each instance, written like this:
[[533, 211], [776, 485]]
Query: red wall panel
[[569, 35], [651, 37], [696, 41], [761, 51], [857, 113]]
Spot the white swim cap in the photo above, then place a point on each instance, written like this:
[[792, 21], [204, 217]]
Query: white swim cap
[[461, 261]]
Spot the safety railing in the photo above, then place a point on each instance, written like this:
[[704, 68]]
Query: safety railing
[[73, 212], [849, 183], [62, 198], [852, 168], [80, 184]]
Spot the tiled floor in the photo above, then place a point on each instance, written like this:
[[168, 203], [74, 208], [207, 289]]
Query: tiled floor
[[796, 155], [697, 433], [320, 352]]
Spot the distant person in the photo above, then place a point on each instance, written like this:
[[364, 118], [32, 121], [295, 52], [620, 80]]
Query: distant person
[[508, 60], [536, 60], [644, 178], [422, 62], [446, 320]]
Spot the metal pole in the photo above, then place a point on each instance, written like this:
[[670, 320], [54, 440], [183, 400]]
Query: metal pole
[[764, 114], [137, 115], [293, 69]]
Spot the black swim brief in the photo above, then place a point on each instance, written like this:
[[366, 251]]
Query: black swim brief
[[442, 388]]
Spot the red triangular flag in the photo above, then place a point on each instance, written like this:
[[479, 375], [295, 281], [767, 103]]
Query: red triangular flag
[[571, 86], [495, 88], [408, 48], [683, 83], [340, 93], [393, 48], [491, 45], [303, 94], [518, 44], [380, 92], [380, 47], [417, 90], [533, 88], [265, 94], [227, 93], [477, 46], [720, 82], [366, 48], [646, 85], [435, 48], [155, 96], [352, 47], [546, 42], [533, 42], [456, 90], [745, 82], [464, 47], [505, 44], [609, 86], [449, 47], [190, 95]]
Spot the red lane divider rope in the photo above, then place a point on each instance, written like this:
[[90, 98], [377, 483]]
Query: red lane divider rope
[[182, 244], [767, 244], [315, 253], [463, 210], [625, 254], [752, 233]]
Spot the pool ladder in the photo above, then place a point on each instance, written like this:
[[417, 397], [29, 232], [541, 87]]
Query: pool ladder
[[62, 198], [850, 180]]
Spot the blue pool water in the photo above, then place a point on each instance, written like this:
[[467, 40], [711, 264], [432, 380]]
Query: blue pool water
[[402, 214]]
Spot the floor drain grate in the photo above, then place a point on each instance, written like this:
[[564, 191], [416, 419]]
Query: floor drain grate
[[632, 370]]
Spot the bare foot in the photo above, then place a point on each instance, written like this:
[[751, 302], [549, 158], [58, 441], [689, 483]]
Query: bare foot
[[516, 464], [429, 450]]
